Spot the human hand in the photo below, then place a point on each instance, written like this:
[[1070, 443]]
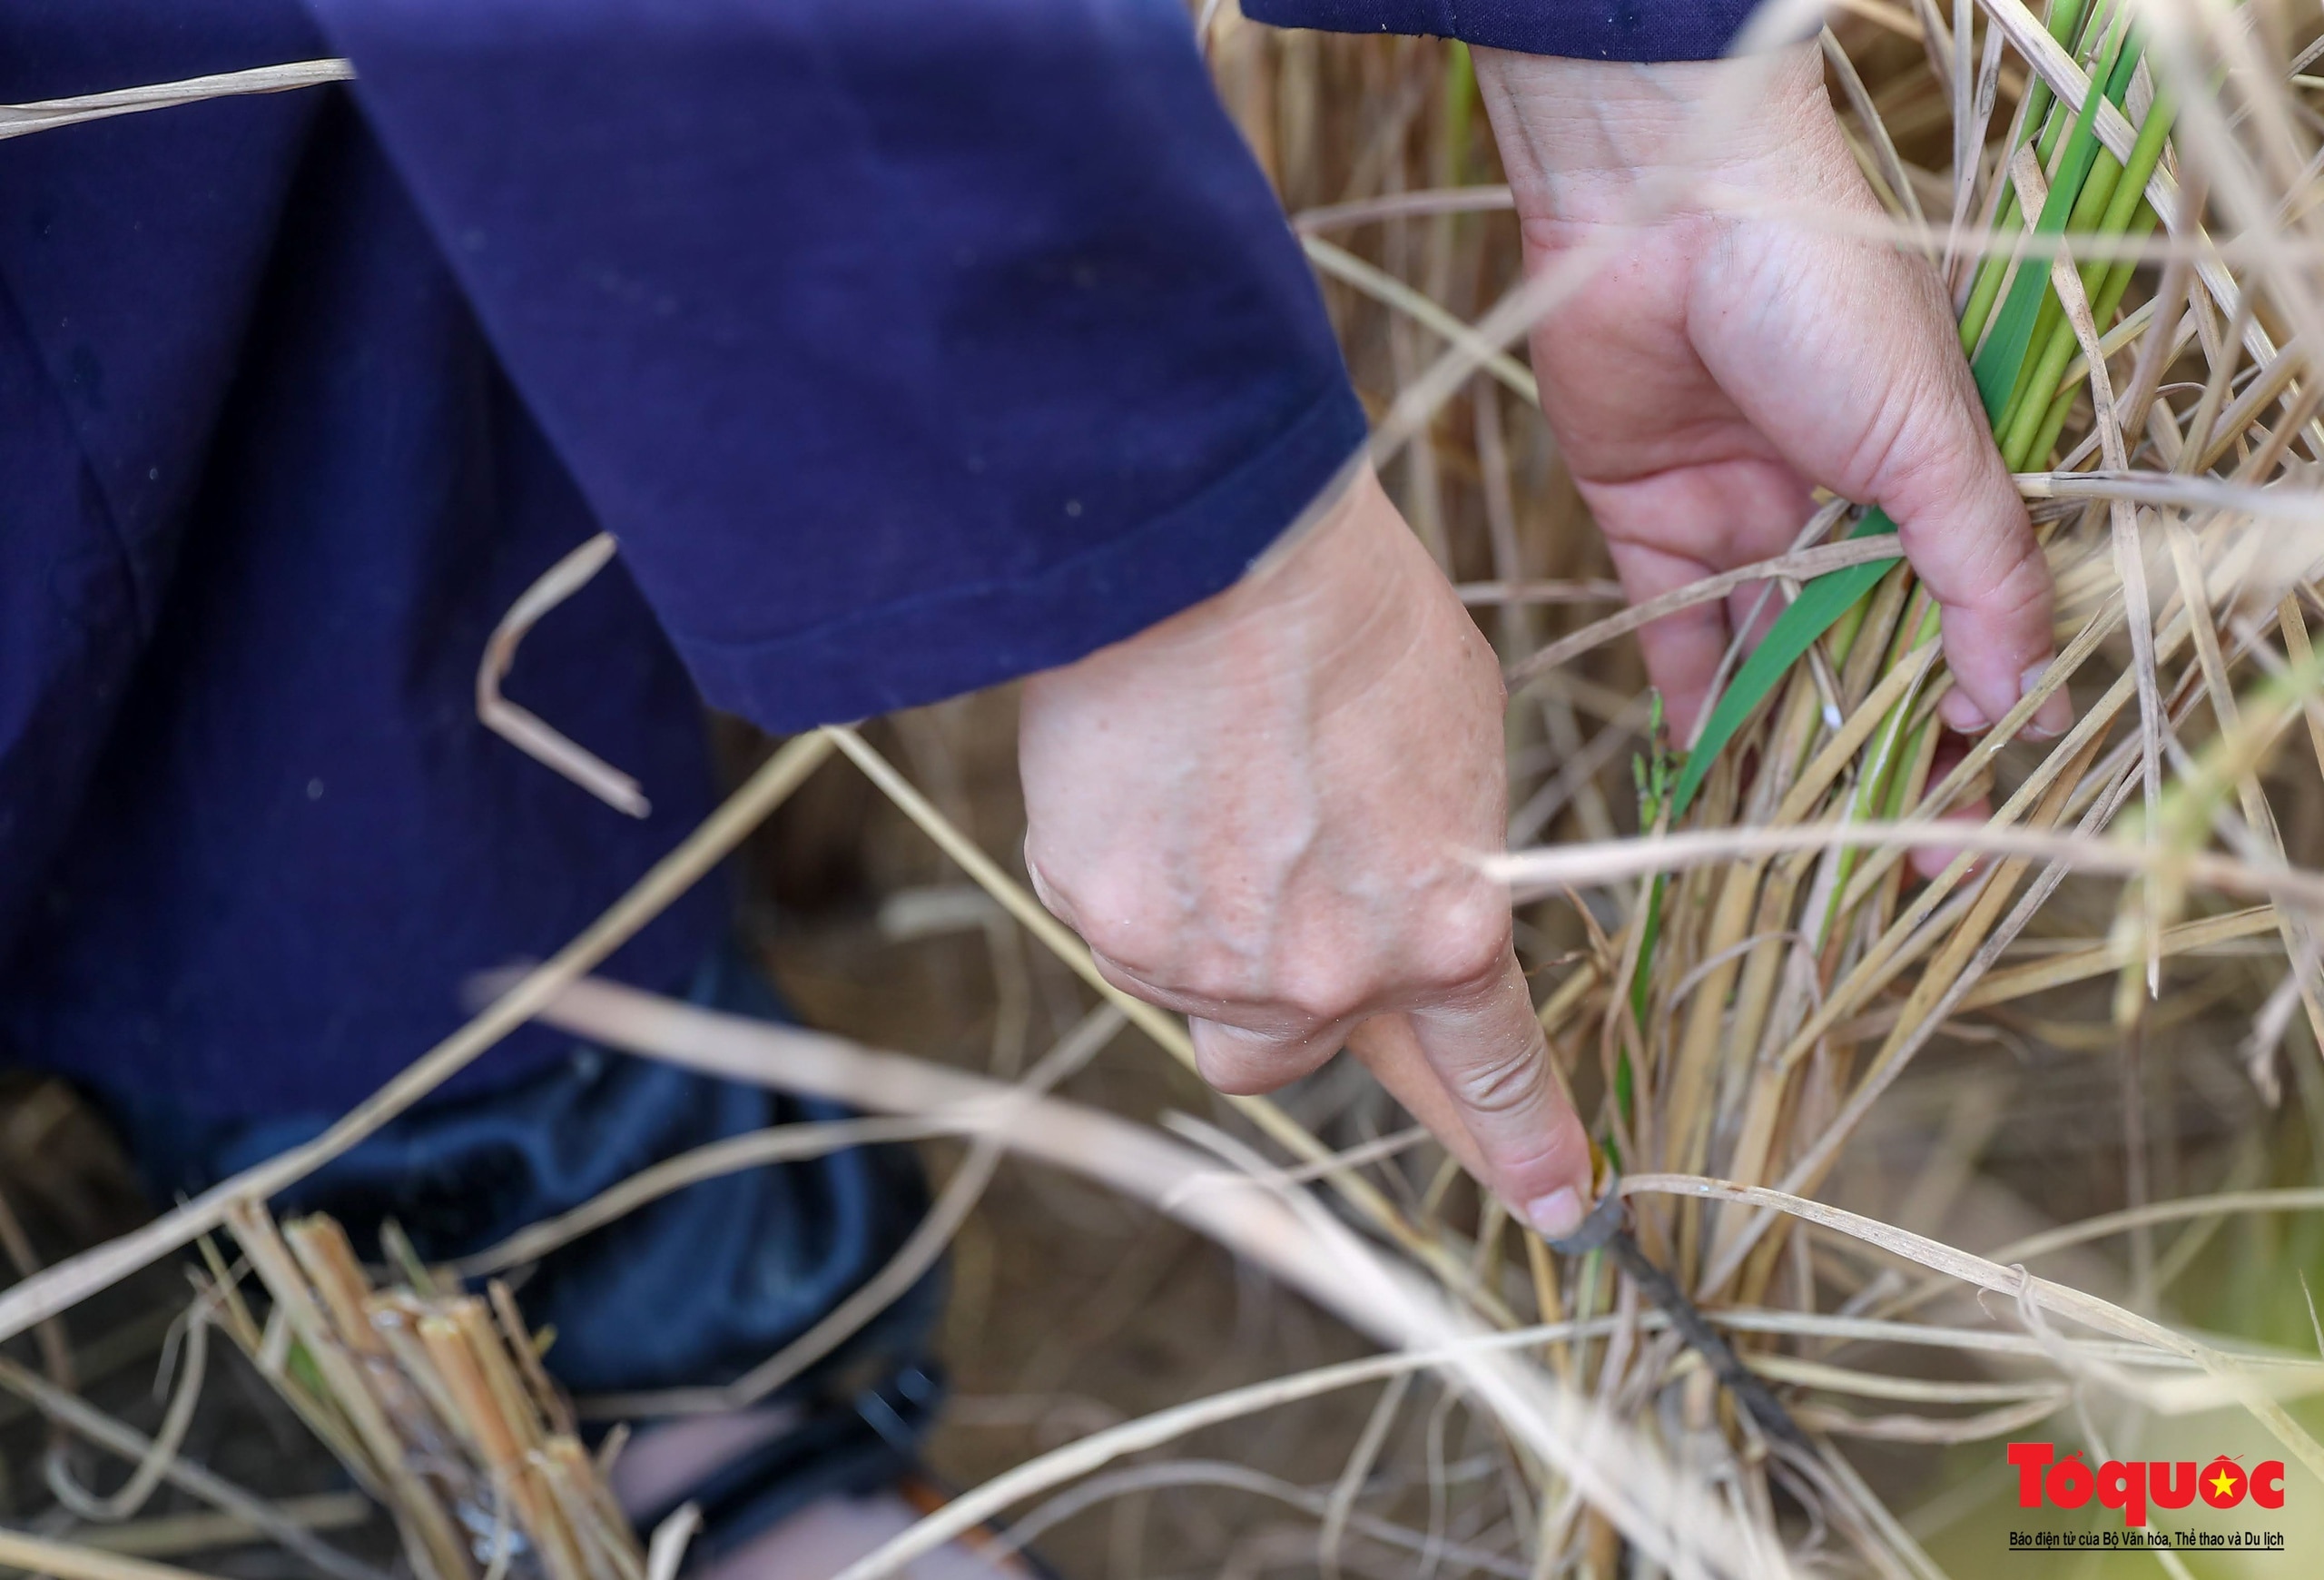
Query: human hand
[[1719, 363], [1266, 814]]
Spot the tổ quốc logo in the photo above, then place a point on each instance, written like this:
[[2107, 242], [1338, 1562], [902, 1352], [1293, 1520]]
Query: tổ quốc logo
[[2134, 1487]]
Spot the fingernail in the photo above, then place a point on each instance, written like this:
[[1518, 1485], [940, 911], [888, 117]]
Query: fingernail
[[1929, 861], [1556, 1215], [2055, 715], [1961, 713]]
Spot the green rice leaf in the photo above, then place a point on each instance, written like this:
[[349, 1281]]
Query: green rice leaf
[[1818, 608], [2002, 357], [2064, 22]]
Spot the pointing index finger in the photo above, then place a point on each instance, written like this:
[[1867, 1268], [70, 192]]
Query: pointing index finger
[[1485, 1076]]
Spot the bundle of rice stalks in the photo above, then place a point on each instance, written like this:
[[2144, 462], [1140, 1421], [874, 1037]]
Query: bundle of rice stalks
[[1755, 1007], [436, 1402]]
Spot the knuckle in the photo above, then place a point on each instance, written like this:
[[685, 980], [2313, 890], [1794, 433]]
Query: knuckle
[[1921, 440], [1467, 945], [2003, 573], [1894, 455], [2021, 592], [1115, 925], [1324, 991]]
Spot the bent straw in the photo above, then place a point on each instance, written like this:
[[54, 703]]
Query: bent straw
[[523, 728], [1816, 562], [2295, 1199], [1381, 286], [1132, 1158], [1457, 200], [1537, 872], [44, 114], [1283, 1233]]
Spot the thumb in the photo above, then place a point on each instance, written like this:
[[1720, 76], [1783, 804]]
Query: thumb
[[1846, 354], [1966, 532]]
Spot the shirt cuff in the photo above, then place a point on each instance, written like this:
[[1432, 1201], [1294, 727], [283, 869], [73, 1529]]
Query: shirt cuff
[[1639, 30], [916, 650]]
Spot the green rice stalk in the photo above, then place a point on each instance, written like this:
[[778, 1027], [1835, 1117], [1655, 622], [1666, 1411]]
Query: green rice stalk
[[2064, 21]]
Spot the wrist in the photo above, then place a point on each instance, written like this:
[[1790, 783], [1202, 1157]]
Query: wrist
[[1594, 141], [1322, 613]]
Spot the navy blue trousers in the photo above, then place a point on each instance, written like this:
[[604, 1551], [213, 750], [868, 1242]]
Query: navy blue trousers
[[689, 1290]]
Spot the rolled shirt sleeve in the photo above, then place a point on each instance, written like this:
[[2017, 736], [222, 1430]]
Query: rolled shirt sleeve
[[904, 347], [1639, 30]]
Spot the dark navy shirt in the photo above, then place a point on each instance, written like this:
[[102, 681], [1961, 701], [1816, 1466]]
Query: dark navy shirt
[[904, 346]]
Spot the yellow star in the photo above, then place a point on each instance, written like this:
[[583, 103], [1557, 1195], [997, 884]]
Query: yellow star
[[2222, 1484]]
